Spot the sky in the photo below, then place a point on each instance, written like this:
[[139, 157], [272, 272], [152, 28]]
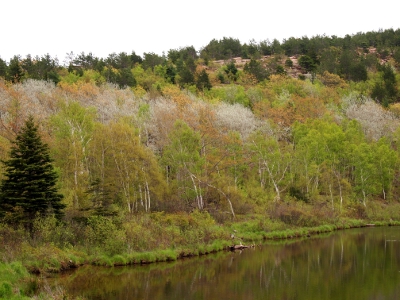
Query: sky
[[38, 27]]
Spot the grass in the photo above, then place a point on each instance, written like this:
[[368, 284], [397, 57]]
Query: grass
[[16, 282], [49, 258], [167, 238]]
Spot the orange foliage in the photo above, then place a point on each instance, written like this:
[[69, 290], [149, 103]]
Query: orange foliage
[[177, 96], [395, 109], [80, 89], [14, 110], [247, 79], [299, 109], [329, 95], [332, 80], [261, 109]]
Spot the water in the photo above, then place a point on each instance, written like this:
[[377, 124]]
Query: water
[[351, 264]]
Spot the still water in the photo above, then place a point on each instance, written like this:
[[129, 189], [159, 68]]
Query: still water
[[351, 264]]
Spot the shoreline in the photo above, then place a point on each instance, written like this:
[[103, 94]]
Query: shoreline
[[165, 255], [26, 275]]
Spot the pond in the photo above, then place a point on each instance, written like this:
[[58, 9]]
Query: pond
[[362, 263]]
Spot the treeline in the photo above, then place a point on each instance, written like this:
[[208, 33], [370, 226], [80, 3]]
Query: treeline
[[350, 57], [386, 41]]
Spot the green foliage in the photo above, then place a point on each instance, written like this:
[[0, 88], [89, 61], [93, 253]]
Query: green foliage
[[15, 71], [31, 182], [358, 72], [73, 126], [280, 70], [151, 60], [396, 55], [183, 53], [41, 68], [71, 78], [203, 82], [231, 71], [147, 79], [183, 160], [103, 235], [307, 63], [125, 78], [185, 77], [231, 94], [288, 63], [3, 68], [255, 68], [133, 171], [12, 277], [385, 89], [48, 230], [226, 48]]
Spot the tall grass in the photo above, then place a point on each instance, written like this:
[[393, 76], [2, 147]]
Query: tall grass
[[16, 282]]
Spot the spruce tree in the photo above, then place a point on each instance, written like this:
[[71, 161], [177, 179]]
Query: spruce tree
[[30, 180]]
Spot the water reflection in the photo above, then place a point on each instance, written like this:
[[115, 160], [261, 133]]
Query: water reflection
[[352, 264]]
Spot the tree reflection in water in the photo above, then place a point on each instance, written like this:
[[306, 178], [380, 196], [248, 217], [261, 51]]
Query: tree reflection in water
[[352, 264]]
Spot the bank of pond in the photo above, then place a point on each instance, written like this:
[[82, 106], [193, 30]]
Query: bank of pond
[[290, 264]]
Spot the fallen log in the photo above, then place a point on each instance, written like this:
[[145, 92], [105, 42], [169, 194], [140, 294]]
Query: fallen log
[[239, 247]]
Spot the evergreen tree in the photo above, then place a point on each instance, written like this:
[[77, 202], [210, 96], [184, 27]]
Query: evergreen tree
[[255, 68], [203, 81], [15, 72], [29, 187], [3, 68]]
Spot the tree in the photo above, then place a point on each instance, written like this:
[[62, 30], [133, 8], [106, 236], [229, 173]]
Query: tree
[[307, 63], [203, 82], [151, 60], [256, 69], [3, 68], [15, 72], [184, 163], [358, 72], [30, 183], [124, 172], [73, 128], [385, 88], [321, 158], [226, 48], [185, 77], [329, 60], [125, 78], [273, 162], [364, 171]]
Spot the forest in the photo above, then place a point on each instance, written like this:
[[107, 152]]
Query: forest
[[158, 157]]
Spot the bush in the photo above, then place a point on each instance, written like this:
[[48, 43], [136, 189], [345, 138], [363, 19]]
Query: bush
[[103, 234], [5, 290], [294, 213], [13, 280]]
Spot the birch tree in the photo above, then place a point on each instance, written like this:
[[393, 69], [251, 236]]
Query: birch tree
[[124, 167], [73, 128], [273, 161], [184, 162]]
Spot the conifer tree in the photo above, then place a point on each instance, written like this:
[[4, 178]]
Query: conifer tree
[[29, 187]]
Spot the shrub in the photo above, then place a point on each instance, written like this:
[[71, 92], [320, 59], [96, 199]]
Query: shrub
[[103, 234]]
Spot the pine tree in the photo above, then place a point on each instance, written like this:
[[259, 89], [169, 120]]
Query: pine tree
[[30, 180], [203, 81]]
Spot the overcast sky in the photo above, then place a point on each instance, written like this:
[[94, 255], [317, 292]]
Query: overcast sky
[[38, 27]]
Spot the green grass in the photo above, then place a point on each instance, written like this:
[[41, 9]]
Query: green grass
[[15, 281], [119, 260]]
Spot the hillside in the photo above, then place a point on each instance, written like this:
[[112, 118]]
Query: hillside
[[176, 152]]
